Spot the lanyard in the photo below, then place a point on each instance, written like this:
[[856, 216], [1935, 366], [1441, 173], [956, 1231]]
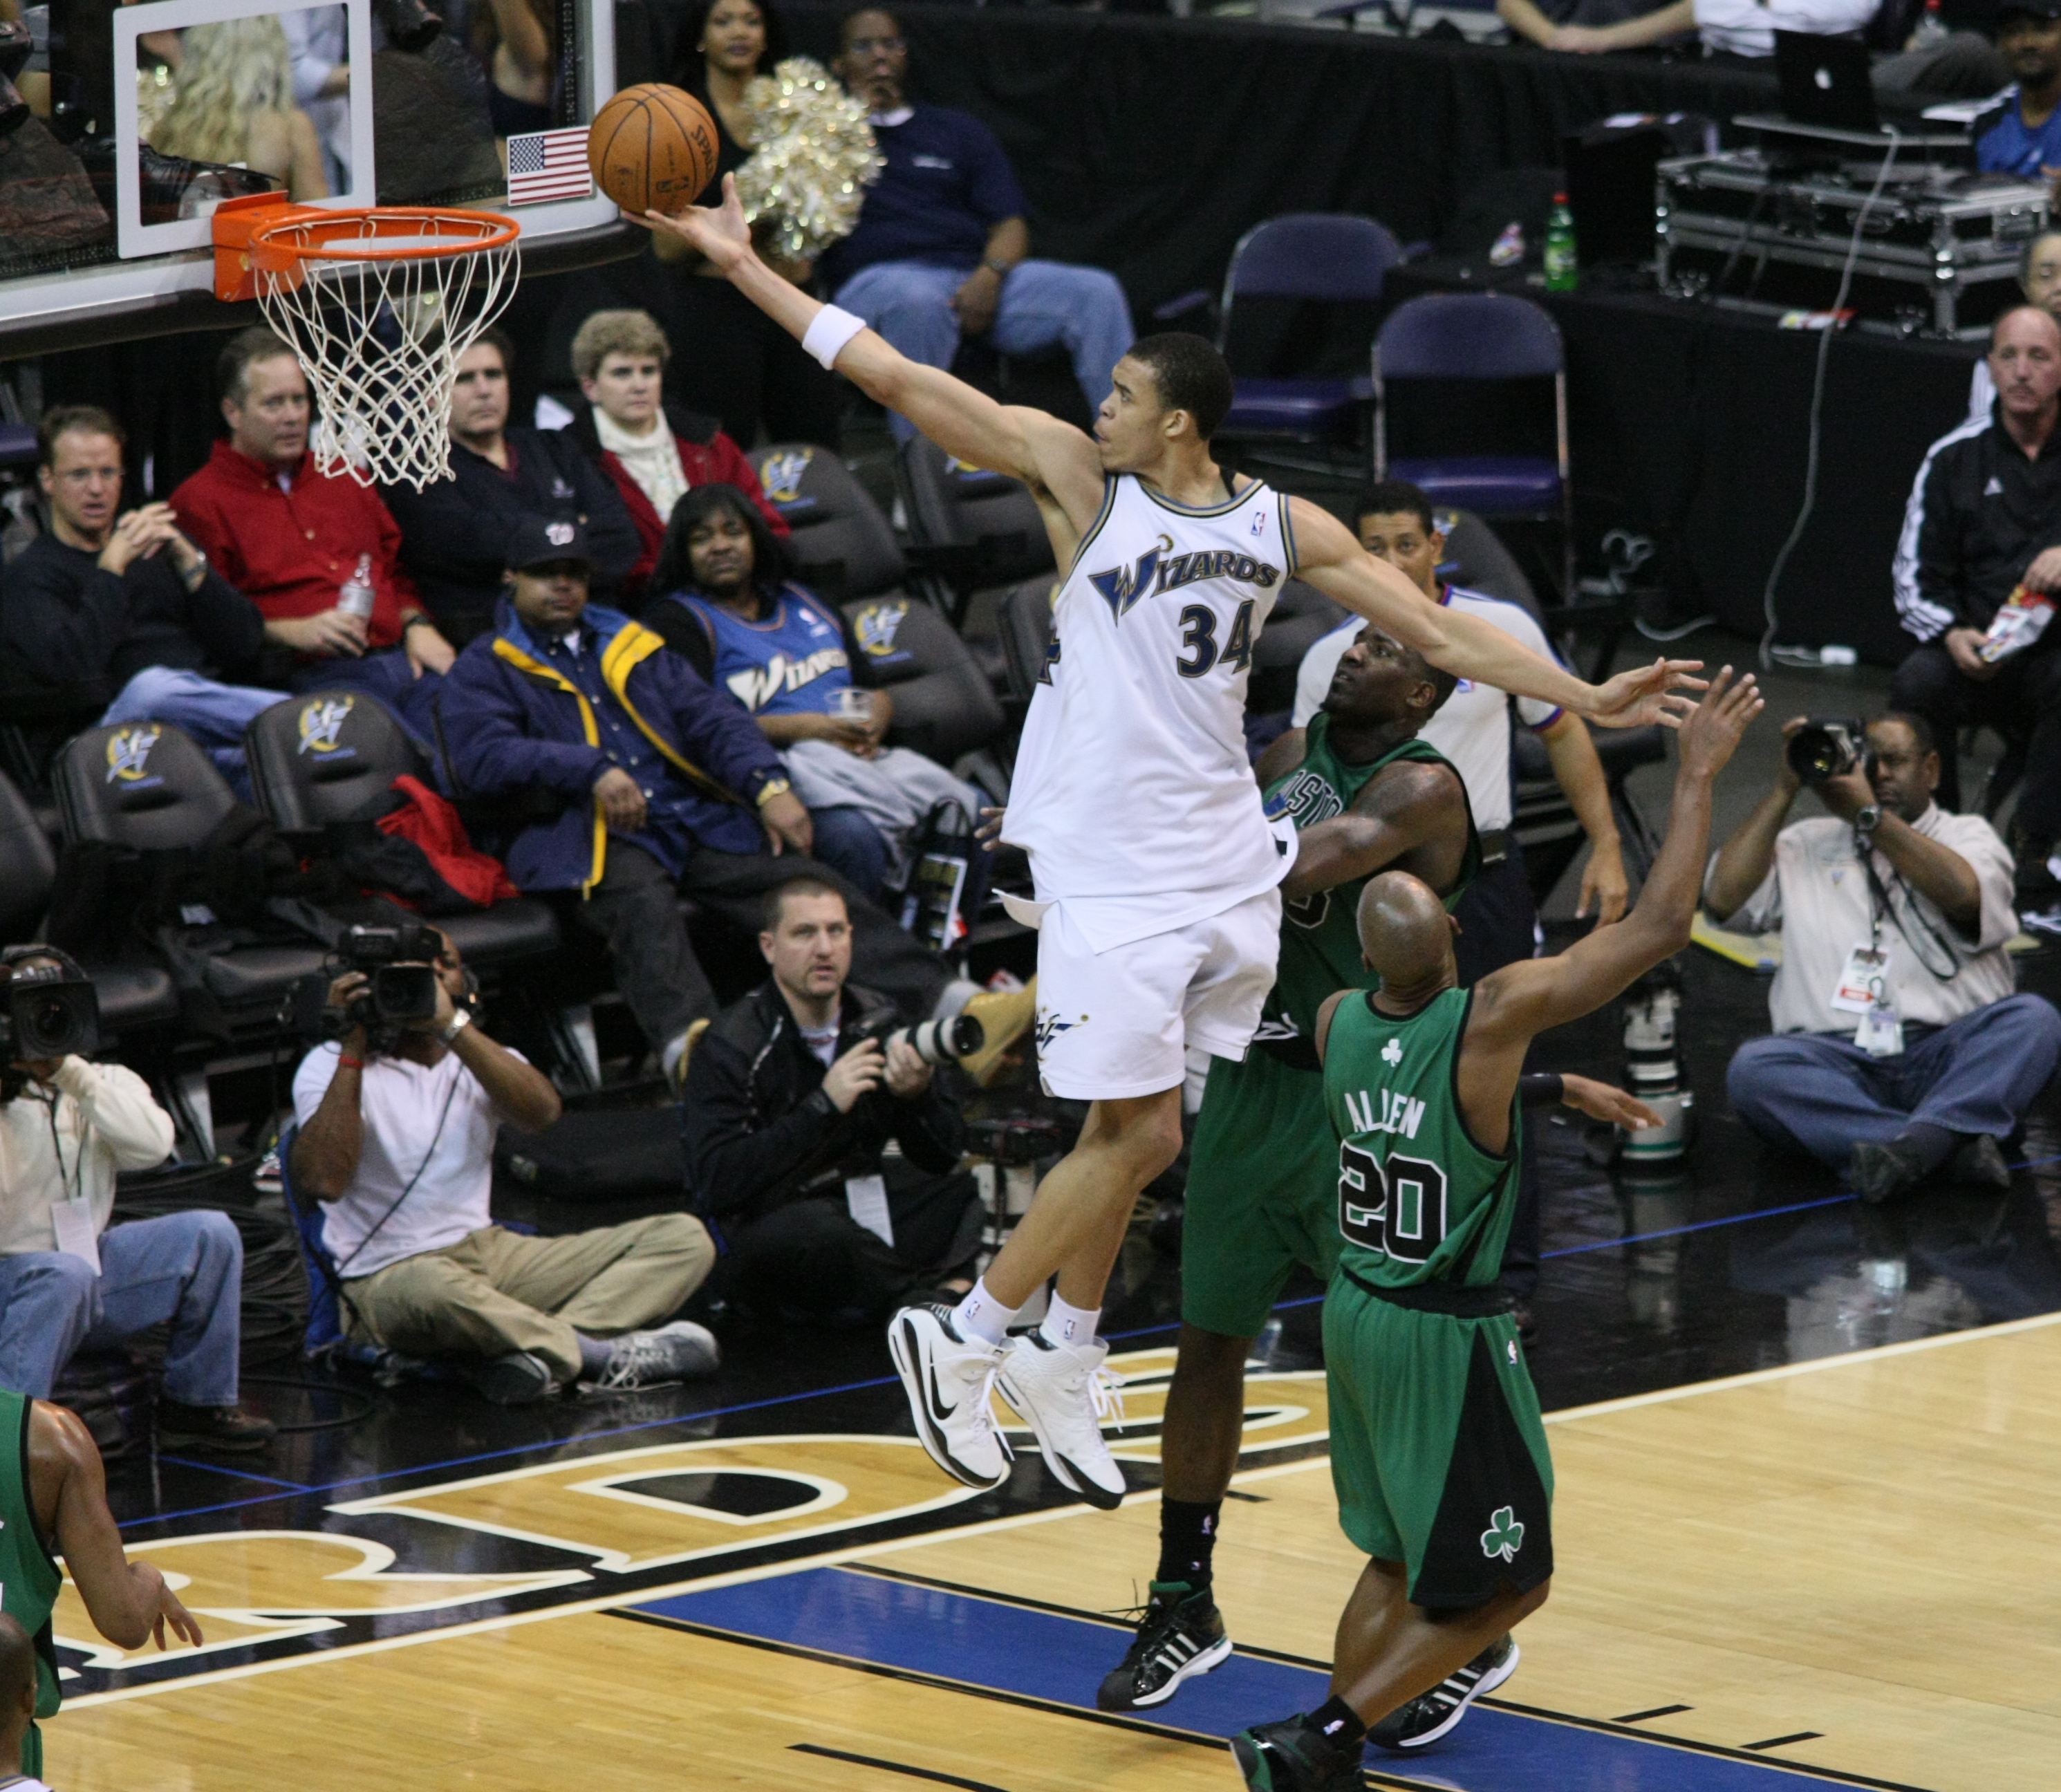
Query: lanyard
[[1881, 901]]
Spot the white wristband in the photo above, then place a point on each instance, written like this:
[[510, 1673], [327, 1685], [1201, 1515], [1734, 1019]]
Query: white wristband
[[827, 336]]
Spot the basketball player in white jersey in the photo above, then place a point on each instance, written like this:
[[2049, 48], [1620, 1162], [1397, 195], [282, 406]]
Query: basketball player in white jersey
[[1155, 869]]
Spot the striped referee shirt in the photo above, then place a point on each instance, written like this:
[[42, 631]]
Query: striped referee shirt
[[1980, 510]]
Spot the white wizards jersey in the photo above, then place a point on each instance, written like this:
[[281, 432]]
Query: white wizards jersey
[[1133, 795]]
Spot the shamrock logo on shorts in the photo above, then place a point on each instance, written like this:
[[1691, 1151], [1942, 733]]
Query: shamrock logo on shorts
[[1505, 1535]]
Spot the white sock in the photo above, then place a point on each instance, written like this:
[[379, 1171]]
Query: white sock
[[1069, 1324], [981, 1315]]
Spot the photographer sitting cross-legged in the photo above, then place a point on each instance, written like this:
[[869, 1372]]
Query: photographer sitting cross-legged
[[792, 1096], [1900, 1053], [396, 1128]]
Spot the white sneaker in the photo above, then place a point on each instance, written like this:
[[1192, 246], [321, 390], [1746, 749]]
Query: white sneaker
[[652, 1359], [1063, 1393], [950, 1381]]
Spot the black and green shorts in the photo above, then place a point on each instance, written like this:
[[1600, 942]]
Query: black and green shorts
[[1263, 1193], [1439, 1454]]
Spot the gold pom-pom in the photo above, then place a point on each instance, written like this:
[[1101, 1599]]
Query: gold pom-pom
[[805, 183]]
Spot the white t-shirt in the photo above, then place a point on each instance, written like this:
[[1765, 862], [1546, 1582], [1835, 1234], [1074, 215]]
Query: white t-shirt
[[1817, 894], [403, 1104], [1133, 793], [1472, 727], [1747, 27]]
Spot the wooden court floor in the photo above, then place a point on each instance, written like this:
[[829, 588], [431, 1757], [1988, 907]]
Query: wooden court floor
[[1845, 1570]]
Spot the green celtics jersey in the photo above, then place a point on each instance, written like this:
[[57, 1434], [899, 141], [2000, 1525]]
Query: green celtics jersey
[[1320, 934], [1419, 1200], [29, 1579]]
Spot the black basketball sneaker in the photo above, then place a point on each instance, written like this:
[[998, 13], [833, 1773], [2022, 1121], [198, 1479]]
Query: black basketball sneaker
[[1180, 1634], [1294, 1755], [1431, 1715]]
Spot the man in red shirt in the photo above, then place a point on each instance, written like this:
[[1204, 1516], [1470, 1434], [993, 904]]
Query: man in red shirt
[[305, 546]]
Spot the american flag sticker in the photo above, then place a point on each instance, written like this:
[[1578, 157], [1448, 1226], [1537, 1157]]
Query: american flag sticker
[[548, 165]]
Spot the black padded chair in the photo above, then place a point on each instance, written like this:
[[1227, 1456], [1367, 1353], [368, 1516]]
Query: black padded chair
[[148, 786], [944, 705], [977, 530], [329, 757], [132, 996], [842, 546], [1024, 626]]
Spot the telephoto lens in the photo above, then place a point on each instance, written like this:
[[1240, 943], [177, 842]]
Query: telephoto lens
[[1653, 1071], [1827, 748], [943, 1042]]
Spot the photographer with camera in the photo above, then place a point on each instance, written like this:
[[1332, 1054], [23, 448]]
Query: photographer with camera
[[398, 1120], [1900, 1051], [792, 1097], [67, 1277]]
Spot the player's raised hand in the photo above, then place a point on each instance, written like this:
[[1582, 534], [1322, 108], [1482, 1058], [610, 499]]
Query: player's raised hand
[[719, 233], [1709, 736], [1648, 693]]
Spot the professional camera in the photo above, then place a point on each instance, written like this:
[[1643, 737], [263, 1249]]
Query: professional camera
[[398, 963], [936, 1041], [47, 1012], [1830, 748]]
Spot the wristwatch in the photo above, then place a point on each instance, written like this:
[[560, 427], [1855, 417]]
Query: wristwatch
[[771, 788], [1868, 819], [460, 1022], [197, 572], [1001, 268]]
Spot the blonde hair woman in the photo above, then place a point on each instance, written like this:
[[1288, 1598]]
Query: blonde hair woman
[[234, 104]]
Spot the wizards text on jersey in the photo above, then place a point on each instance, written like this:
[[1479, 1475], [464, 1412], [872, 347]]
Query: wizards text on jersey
[[1159, 569]]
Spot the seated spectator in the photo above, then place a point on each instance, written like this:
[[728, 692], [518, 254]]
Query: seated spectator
[[397, 1142], [2039, 279], [1927, 896], [1546, 24], [720, 601], [299, 543], [233, 104], [454, 532], [654, 451], [667, 788], [1736, 28], [1984, 516], [745, 368], [2025, 141], [791, 1101], [128, 609], [941, 248], [68, 1279], [517, 40]]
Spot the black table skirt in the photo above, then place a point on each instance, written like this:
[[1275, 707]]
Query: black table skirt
[[1690, 424]]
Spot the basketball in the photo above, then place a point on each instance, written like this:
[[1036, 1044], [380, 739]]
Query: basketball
[[652, 148]]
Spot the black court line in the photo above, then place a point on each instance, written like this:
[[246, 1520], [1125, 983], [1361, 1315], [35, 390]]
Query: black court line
[[1027, 1701], [1658, 1711], [1783, 1741], [1615, 1726], [1251, 1499], [892, 1767]]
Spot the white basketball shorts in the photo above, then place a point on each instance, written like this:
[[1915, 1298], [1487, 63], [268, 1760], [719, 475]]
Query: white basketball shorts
[[1116, 1024]]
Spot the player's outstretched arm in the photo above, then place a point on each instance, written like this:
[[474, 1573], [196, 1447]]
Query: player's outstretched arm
[[1512, 1004], [1046, 454], [1330, 558]]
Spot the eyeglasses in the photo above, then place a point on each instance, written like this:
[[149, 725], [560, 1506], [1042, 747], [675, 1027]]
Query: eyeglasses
[[866, 46]]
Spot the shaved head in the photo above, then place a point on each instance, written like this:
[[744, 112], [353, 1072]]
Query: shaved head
[[18, 1671], [1404, 930]]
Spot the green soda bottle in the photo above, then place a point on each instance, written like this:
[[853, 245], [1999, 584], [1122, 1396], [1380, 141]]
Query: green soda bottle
[[1561, 273]]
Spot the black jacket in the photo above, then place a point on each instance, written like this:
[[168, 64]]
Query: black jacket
[[761, 1132], [1978, 514], [65, 621], [454, 532]]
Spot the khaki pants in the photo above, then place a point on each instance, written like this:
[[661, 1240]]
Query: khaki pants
[[497, 1291]]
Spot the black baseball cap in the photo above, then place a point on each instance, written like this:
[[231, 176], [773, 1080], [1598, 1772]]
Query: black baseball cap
[[541, 541]]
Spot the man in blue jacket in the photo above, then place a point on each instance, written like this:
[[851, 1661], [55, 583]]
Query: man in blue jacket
[[667, 787]]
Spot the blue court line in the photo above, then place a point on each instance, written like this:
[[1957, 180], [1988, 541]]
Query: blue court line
[[239, 1474], [1699, 1226], [1052, 1659]]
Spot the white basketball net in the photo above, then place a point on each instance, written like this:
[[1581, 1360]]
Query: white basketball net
[[380, 339]]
